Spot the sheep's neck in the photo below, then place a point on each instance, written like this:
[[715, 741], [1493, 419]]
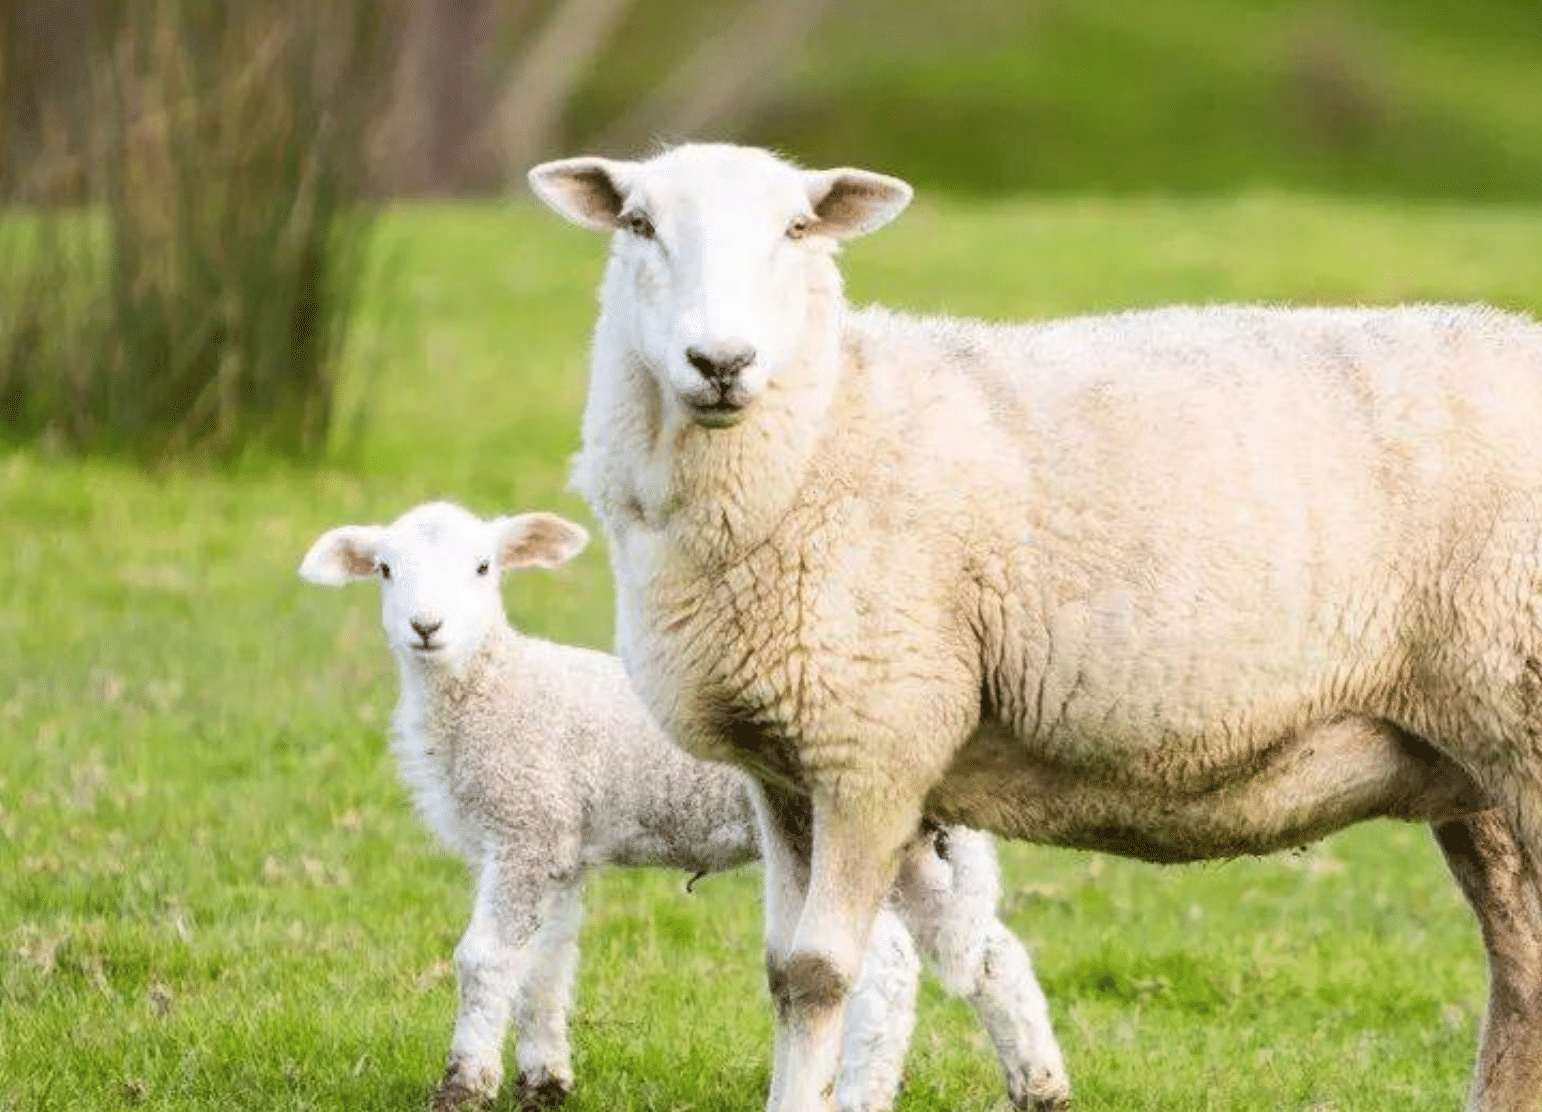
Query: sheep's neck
[[714, 492]]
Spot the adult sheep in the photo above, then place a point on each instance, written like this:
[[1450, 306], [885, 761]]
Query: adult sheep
[[1177, 584]]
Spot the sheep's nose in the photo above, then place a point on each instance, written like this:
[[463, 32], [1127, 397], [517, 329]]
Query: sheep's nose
[[720, 363], [425, 628]]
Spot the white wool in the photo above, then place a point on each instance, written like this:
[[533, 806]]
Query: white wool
[[1178, 584]]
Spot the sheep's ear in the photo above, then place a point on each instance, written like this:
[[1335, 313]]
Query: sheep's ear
[[537, 540], [851, 203], [347, 552], [588, 191]]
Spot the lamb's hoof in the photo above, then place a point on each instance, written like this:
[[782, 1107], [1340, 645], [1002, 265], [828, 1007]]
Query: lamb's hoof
[[461, 1090], [538, 1093], [1040, 1090]]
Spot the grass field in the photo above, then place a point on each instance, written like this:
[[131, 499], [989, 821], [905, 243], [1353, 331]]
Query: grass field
[[213, 893]]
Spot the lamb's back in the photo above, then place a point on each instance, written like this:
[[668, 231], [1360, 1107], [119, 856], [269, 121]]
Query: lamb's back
[[577, 748]]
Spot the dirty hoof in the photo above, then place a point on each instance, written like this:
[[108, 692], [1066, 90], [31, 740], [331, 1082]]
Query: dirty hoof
[[459, 1091], [535, 1094]]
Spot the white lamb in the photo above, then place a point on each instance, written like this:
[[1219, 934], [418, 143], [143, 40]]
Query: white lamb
[[536, 763], [1176, 584]]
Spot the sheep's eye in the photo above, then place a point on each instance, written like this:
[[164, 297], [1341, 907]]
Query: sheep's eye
[[483, 567], [798, 227], [385, 571], [638, 224]]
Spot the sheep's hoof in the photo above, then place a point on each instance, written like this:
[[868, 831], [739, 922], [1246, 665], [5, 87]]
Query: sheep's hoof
[[535, 1094], [459, 1092]]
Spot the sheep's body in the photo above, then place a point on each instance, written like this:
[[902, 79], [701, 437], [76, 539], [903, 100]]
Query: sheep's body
[[536, 763], [1176, 584], [1127, 623]]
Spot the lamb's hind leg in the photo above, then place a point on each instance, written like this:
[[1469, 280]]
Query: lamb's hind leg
[[947, 891], [1503, 885]]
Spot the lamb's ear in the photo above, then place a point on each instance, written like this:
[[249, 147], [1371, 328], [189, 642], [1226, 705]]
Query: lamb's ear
[[588, 191], [347, 552], [851, 203], [537, 540]]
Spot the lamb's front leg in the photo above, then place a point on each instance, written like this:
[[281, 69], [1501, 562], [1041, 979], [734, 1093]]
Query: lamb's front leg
[[514, 894], [857, 838], [541, 1010]]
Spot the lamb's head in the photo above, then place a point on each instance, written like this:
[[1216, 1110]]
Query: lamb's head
[[719, 261], [439, 568]]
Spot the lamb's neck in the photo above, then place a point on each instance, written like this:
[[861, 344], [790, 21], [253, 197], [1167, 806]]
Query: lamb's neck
[[716, 492], [434, 695]]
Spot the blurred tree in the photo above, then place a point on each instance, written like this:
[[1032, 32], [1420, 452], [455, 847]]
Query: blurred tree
[[527, 125], [199, 298], [719, 87], [425, 145]]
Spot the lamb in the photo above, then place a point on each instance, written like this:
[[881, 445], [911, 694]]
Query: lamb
[[1176, 584], [536, 763]]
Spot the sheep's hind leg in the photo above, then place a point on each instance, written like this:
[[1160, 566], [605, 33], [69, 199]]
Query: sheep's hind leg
[[857, 839], [1502, 883], [947, 892], [492, 962]]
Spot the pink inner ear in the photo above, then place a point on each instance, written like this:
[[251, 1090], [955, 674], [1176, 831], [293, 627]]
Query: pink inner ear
[[857, 202], [539, 540], [355, 560], [598, 190]]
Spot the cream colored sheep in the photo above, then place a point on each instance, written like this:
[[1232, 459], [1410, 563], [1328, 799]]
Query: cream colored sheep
[[1175, 584], [536, 763]]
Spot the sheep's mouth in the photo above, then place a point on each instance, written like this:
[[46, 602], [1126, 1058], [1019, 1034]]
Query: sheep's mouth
[[427, 648], [716, 415]]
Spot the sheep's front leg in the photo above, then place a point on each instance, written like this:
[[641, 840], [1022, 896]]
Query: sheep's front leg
[[785, 827], [856, 842], [1504, 887], [492, 961], [947, 892]]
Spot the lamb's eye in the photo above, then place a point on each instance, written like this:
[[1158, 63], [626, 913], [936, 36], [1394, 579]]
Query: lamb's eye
[[638, 224], [483, 567], [798, 227], [385, 571]]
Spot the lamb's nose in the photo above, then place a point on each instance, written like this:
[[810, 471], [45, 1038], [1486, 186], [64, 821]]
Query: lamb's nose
[[425, 629], [720, 363]]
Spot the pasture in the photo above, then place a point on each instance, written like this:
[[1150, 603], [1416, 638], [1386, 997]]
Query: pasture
[[213, 892]]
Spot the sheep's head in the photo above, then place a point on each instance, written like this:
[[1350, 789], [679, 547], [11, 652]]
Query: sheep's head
[[718, 257], [439, 568]]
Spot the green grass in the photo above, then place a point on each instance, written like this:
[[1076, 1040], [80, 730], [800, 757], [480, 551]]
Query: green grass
[[213, 893]]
